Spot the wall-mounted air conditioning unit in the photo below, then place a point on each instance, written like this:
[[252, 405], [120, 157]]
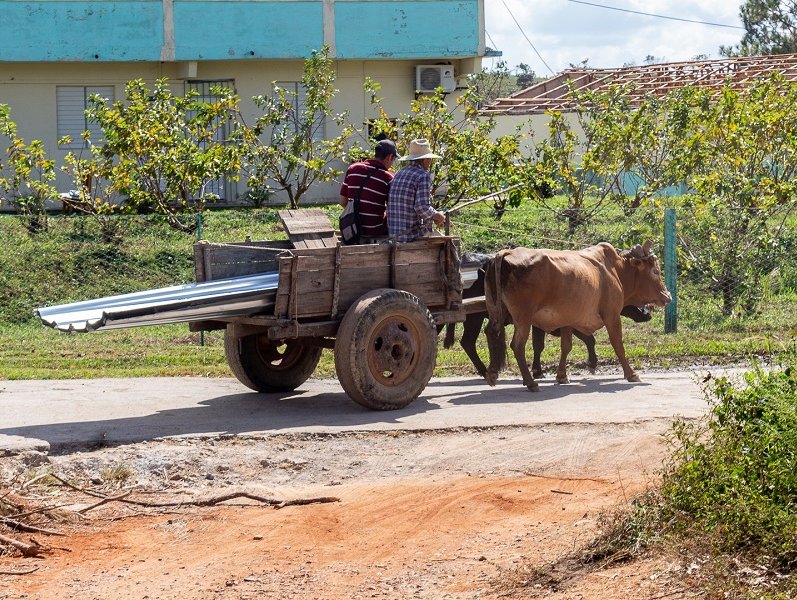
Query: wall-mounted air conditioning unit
[[430, 77]]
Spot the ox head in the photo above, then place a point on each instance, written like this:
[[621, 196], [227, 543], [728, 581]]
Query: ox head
[[646, 286]]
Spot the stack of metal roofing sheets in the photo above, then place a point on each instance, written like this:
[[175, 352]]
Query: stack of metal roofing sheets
[[235, 296], [222, 298]]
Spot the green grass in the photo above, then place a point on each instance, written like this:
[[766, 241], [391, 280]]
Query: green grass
[[69, 263], [728, 493]]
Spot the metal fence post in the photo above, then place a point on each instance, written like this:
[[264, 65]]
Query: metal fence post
[[670, 271], [199, 238]]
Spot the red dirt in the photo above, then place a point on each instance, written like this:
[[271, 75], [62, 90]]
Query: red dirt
[[448, 539], [447, 515]]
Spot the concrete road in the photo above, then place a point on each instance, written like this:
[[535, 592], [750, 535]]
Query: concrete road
[[57, 414]]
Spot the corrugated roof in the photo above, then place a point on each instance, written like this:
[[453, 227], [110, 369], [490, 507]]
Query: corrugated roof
[[235, 296], [645, 81]]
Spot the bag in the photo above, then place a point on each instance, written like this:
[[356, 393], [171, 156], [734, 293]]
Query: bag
[[349, 221], [349, 225]]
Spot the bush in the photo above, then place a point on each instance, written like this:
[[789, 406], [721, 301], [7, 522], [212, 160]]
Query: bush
[[728, 492], [734, 478]]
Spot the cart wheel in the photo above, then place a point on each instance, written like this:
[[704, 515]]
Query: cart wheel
[[266, 366], [385, 349]]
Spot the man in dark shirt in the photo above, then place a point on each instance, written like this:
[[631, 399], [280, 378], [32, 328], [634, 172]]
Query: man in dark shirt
[[371, 180]]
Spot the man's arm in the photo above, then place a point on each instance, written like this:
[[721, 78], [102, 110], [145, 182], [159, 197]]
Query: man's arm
[[423, 204]]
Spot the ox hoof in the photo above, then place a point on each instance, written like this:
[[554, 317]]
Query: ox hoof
[[634, 378], [491, 378], [562, 379], [533, 386]]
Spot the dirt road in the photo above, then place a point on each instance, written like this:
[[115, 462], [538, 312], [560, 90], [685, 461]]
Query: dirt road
[[457, 496]]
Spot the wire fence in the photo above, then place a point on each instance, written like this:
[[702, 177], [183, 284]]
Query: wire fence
[[725, 281]]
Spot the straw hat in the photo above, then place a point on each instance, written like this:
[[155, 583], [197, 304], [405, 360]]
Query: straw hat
[[419, 149]]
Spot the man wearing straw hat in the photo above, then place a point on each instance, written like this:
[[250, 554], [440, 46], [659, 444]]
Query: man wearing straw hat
[[410, 214]]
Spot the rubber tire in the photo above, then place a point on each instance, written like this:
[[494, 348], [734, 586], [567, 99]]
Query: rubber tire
[[373, 374], [257, 362]]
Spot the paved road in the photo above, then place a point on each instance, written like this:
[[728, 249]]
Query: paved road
[[48, 415]]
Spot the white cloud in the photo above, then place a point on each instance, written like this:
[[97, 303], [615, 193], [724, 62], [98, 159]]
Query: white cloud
[[565, 32]]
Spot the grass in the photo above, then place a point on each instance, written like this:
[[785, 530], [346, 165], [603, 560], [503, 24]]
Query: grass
[[69, 264]]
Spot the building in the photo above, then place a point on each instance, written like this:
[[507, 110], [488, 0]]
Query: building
[[54, 54], [527, 108]]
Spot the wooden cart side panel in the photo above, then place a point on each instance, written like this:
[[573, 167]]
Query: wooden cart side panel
[[219, 261], [307, 278]]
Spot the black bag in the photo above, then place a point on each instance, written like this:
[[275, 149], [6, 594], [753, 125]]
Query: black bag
[[349, 225], [349, 221]]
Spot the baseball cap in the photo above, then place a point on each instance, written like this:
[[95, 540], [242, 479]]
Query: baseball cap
[[386, 148]]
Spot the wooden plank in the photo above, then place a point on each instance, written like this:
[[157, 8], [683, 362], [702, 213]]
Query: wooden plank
[[474, 305], [449, 316], [308, 228], [290, 330], [282, 300]]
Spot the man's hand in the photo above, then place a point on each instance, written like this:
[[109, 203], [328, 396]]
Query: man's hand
[[439, 218]]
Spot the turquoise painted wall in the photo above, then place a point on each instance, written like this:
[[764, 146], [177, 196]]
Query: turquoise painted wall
[[81, 31], [228, 30], [133, 30], [407, 29]]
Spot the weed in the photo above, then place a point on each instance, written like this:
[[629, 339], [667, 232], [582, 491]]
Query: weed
[[118, 473]]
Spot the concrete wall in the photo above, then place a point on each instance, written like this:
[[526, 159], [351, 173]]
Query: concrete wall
[[168, 30], [30, 90]]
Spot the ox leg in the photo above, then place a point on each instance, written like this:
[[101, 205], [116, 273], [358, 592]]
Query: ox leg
[[472, 329], [589, 342], [518, 344], [537, 346], [615, 331], [567, 345]]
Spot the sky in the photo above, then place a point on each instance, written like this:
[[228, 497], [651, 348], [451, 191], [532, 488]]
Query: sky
[[566, 32]]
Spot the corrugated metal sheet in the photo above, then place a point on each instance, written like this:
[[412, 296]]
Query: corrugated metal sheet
[[236, 296], [233, 297]]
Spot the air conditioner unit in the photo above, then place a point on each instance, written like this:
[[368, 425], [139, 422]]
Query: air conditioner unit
[[430, 77]]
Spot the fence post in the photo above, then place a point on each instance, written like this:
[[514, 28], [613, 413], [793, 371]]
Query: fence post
[[198, 239], [670, 271]]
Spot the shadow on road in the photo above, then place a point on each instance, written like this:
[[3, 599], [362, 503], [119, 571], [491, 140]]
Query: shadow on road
[[300, 410]]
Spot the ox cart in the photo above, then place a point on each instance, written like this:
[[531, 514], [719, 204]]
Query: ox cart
[[377, 307]]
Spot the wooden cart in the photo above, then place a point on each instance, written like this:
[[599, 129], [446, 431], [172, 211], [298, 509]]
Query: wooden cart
[[376, 306]]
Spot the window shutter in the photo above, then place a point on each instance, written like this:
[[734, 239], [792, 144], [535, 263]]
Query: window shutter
[[71, 103]]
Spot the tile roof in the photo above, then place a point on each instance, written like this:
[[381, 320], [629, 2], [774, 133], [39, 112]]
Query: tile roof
[[644, 81]]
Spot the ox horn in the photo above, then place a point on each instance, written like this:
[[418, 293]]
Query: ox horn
[[636, 251], [647, 247]]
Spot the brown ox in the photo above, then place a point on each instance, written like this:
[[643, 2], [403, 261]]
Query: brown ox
[[566, 290]]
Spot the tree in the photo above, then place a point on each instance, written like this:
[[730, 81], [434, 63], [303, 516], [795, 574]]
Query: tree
[[93, 195], [770, 28], [28, 176], [287, 149], [161, 151], [738, 156], [588, 154], [489, 85], [473, 163], [526, 76]]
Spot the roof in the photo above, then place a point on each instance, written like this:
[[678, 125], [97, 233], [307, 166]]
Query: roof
[[644, 81]]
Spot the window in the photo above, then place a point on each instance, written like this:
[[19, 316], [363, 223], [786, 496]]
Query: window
[[225, 188], [298, 93], [72, 102]]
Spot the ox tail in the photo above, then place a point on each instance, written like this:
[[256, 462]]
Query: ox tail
[[496, 311], [448, 340]]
